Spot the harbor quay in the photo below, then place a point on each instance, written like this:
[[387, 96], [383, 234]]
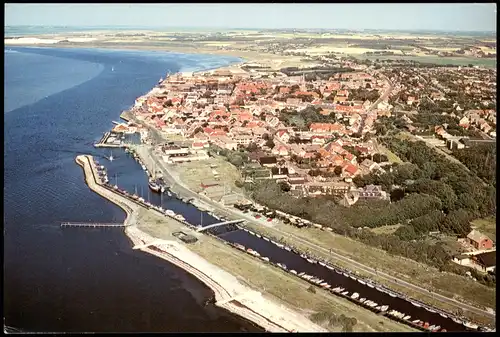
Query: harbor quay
[[229, 292]]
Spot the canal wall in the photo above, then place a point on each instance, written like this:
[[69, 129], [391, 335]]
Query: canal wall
[[261, 311]]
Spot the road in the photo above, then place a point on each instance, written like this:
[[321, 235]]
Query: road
[[384, 96]]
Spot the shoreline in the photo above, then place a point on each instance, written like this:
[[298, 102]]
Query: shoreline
[[252, 309]]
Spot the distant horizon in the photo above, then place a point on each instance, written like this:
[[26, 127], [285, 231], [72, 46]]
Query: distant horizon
[[439, 17], [254, 28]]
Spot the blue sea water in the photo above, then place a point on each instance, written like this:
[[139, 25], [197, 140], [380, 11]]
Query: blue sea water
[[58, 102]]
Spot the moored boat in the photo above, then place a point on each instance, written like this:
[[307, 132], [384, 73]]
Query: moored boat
[[288, 248], [361, 281], [293, 272]]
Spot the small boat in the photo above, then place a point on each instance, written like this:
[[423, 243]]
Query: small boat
[[302, 273], [430, 310], [370, 285], [415, 321], [237, 245], [361, 281], [443, 315], [143, 167], [352, 277], [374, 304], [345, 274], [258, 235], [169, 194], [437, 328], [179, 217], [470, 325], [338, 271], [281, 265], [162, 189], [251, 233], [274, 243], [431, 327], [265, 258], [310, 261], [407, 317], [321, 263], [329, 267], [362, 300], [394, 295], [318, 281], [345, 293], [323, 284], [154, 186], [170, 213], [288, 248], [355, 295], [384, 307], [456, 320], [308, 277], [293, 272]]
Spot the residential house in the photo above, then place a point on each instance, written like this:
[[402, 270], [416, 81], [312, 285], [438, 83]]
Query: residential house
[[464, 122], [371, 192], [479, 240], [283, 135], [270, 161]]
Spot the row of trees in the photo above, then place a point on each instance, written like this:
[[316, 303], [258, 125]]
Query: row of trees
[[362, 94], [480, 159]]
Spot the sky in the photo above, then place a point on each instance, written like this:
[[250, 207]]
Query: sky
[[425, 16]]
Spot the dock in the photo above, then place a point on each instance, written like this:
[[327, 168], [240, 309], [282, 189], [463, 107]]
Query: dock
[[103, 142], [92, 225]]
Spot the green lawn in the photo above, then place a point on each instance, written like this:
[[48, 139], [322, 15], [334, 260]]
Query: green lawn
[[488, 226]]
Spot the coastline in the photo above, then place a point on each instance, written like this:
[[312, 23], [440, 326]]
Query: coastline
[[253, 307]]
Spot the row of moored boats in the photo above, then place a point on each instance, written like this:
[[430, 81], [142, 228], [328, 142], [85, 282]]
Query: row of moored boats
[[384, 309]]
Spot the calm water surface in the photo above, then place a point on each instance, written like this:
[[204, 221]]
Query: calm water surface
[[57, 104]]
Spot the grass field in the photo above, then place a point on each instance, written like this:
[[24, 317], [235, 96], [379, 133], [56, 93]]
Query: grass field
[[391, 156], [385, 229], [195, 173], [488, 226]]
